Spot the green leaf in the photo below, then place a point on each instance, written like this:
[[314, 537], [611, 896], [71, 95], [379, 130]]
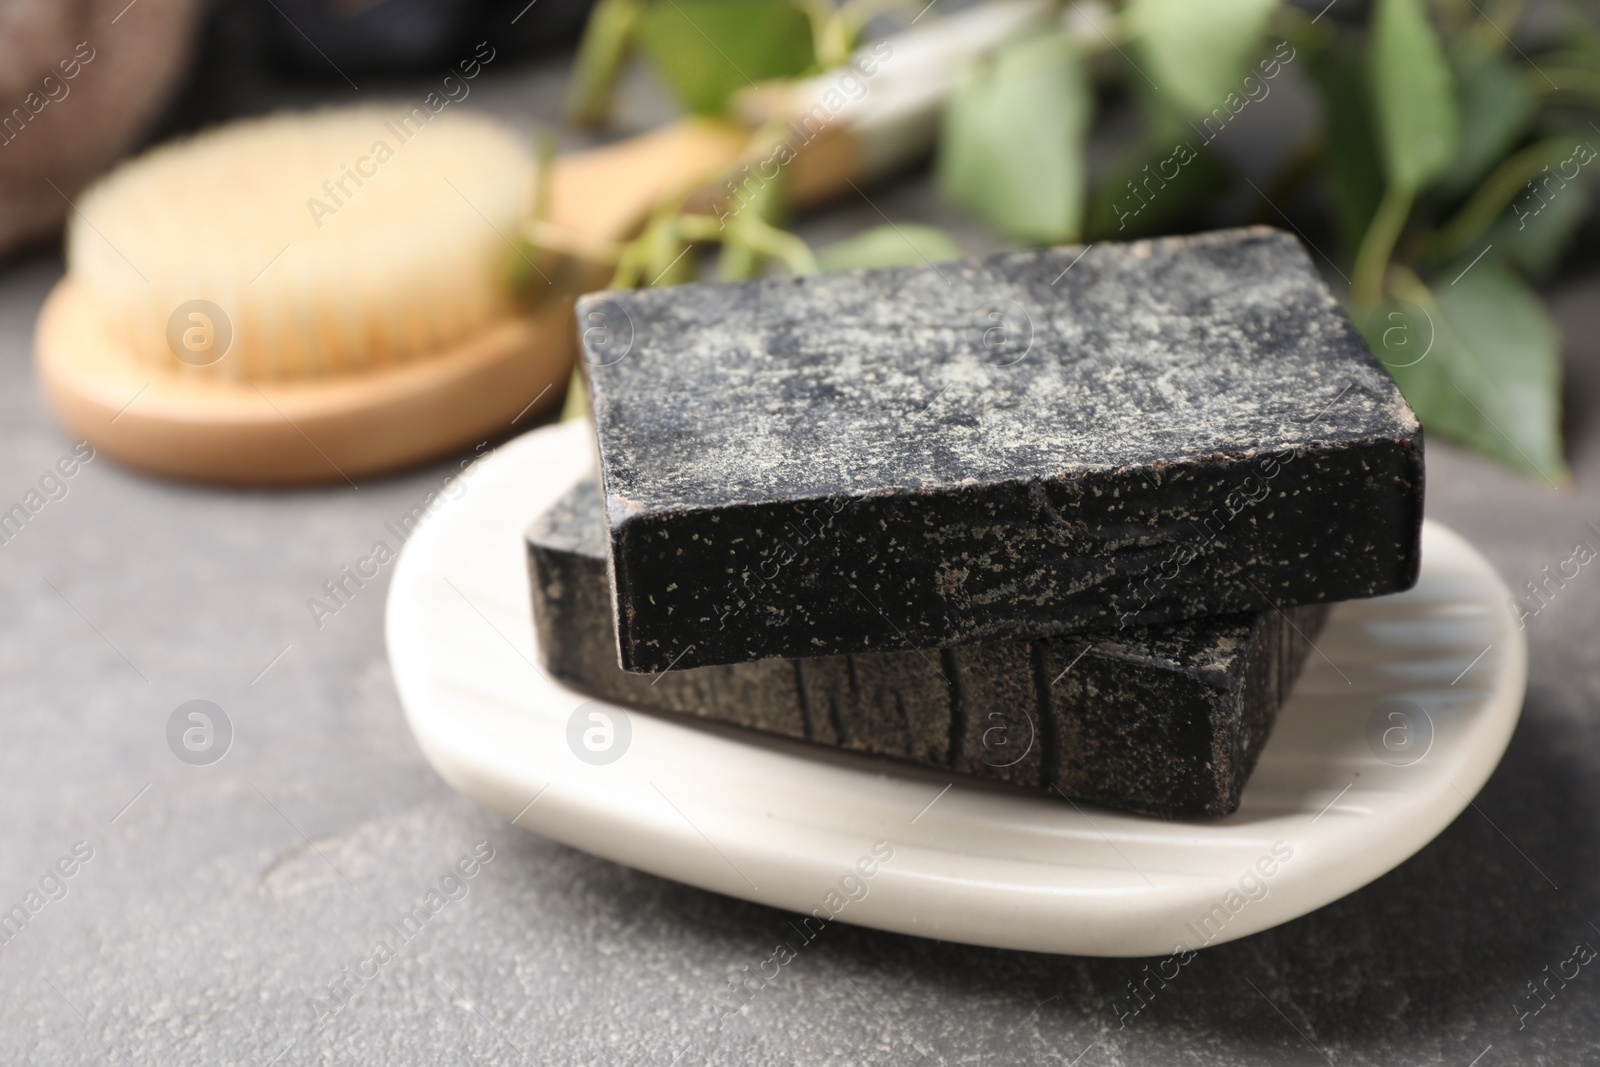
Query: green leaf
[[706, 49], [1413, 95], [1353, 168], [1197, 53], [1497, 104], [1480, 361], [905, 244], [1012, 149]]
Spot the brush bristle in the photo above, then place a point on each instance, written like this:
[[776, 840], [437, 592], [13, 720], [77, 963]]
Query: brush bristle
[[333, 241]]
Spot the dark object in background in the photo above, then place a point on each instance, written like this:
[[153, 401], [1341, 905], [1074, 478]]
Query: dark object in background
[[253, 60], [1161, 720], [362, 36], [1027, 445], [542, 26], [322, 38]]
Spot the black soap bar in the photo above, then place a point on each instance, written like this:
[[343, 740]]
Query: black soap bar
[[1032, 444], [1165, 720]]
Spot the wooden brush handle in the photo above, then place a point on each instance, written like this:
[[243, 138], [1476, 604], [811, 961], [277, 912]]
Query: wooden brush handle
[[295, 433]]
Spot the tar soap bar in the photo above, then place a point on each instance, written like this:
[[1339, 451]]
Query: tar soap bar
[[1034, 444], [1165, 720]]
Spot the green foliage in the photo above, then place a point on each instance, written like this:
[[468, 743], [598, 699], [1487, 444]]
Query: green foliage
[[1196, 53], [705, 50], [906, 244], [1496, 106], [1429, 151], [1456, 160], [1354, 172], [601, 53], [1413, 95], [1012, 148], [1481, 362]]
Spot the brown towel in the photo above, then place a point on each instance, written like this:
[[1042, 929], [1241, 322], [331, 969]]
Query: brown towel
[[80, 80]]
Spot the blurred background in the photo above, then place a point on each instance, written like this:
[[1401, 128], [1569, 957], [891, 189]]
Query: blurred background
[[1437, 160], [1403, 142]]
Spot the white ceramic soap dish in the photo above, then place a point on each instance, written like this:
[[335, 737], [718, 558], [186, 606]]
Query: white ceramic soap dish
[[1398, 720]]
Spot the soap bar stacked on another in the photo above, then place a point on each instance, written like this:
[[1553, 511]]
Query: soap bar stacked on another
[[1166, 720], [899, 503]]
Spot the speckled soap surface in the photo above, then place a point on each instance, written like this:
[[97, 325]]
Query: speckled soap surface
[[1031, 444]]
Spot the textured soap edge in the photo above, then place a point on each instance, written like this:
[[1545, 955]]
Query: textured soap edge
[[1362, 502], [1115, 719]]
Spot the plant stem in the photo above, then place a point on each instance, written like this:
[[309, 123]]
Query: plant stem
[[1580, 81], [607, 39], [1372, 260], [853, 15], [1505, 16], [1497, 191], [700, 228], [777, 244]]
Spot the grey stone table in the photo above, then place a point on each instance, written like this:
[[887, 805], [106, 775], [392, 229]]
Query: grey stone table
[[221, 901]]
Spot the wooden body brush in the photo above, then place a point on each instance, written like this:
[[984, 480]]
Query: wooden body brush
[[326, 296], [300, 298]]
